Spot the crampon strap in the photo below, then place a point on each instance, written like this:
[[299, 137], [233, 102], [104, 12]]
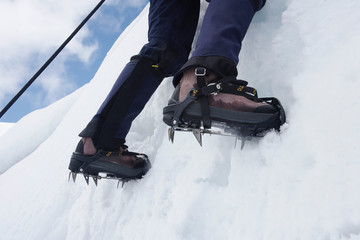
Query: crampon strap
[[228, 84]]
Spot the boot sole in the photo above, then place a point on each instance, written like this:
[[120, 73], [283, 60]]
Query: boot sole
[[91, 165]]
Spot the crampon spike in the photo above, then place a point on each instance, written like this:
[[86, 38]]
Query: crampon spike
[[197, 134], [95, 178], [86, 178], [123, 181], [171, 134], [73, 176], [69, 176], [243, 140], [98, 176]]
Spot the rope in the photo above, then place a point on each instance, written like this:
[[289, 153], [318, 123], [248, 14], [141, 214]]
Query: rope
[[47, 63]]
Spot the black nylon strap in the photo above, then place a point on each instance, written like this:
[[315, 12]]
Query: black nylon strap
[[205, 111], [204, 100], [190, 98], [210, 89], [227, 85], [245, 91]]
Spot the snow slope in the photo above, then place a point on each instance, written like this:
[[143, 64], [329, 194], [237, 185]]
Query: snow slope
[[300, 184], [4, 126]]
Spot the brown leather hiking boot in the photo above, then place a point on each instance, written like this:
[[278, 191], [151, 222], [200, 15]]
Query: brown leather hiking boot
[[203, 100], [119, 163], [123, 158], [222, 100]]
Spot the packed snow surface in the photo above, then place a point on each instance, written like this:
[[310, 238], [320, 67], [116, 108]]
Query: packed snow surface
[[4, 126], [300, 184]]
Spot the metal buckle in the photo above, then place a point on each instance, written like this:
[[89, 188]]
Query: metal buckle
[[200, 71], [217, 86]]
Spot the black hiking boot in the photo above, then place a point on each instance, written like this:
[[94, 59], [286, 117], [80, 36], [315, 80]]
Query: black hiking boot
[[120, 164]]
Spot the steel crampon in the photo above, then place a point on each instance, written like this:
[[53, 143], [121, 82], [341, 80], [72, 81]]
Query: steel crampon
[[98, 177], [199, 132]]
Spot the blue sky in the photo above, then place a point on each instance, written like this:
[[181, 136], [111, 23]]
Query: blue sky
[[74, 67]]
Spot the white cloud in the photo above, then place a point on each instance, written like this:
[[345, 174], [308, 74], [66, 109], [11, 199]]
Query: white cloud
[[30, 31]]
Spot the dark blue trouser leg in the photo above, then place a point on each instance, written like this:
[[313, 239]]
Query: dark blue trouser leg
[[172, 24], [224, 27]]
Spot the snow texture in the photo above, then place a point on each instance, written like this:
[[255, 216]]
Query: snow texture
[[300, 184], [4, 126]]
